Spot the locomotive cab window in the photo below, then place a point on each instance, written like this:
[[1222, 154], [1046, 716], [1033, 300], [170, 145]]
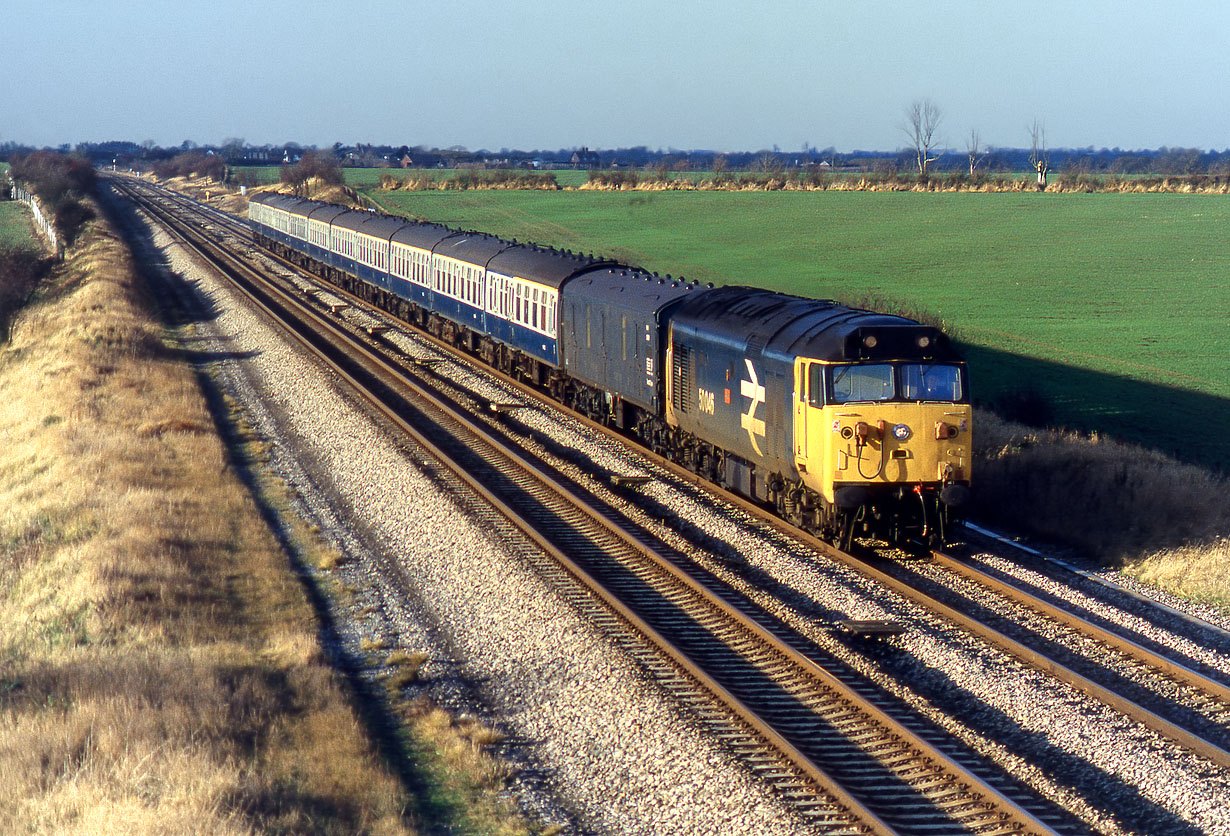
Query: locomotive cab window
[[930, 382], [890, 381], [862, 383], [815, 384]]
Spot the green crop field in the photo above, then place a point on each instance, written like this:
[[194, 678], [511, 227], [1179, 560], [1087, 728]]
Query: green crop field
[[1113, 308], [15, 230]]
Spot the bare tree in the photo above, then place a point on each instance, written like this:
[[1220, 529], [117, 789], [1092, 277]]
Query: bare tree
[[921, 120], [1038, 156], [232, 148], [974, 151], [313, 167]]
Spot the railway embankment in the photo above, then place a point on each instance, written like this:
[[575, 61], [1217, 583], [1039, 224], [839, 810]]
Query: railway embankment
[[162, 669]]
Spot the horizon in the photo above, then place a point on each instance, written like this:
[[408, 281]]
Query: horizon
[[505, 150]]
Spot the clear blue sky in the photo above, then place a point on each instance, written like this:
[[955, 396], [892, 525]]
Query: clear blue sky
[[554, 74]]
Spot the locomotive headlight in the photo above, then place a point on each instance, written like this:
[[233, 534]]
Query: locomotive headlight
[[870, 341], [901, 432], [924, 341]]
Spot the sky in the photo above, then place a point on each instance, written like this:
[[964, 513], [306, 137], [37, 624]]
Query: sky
[[717, 75]]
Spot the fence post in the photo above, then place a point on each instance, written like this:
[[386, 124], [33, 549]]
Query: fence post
[[41, 221]]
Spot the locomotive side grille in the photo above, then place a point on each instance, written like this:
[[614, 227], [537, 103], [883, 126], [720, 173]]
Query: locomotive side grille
[[681, 378]]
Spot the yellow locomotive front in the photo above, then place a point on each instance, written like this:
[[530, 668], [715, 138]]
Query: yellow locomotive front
[[885, 443]]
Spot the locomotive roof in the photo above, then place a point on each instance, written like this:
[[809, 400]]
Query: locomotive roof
[[630, 288], [817, 328], [538, 264]]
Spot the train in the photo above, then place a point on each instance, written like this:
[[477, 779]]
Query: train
[[846, 422]]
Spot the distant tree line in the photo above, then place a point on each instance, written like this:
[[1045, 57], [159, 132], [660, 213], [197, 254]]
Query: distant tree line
[[209, 159]]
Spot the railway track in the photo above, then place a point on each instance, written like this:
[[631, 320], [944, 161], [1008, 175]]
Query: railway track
[[844, 753]]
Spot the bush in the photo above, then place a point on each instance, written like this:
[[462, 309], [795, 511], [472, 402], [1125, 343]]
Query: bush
[[70, 215], [20, 272], [60, 182], [53, 176], [313, 166], [626, 178], [192, 164], [1117, 502]]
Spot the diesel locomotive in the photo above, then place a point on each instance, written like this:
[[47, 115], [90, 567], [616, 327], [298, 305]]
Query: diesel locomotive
[[846, 422]]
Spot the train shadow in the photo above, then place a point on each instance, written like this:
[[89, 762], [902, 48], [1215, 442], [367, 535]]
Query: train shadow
[[1179, 422]]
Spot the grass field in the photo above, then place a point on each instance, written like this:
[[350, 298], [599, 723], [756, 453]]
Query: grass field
[[15, 230], [1112, 307]]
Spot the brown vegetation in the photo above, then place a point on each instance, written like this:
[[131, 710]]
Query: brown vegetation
[[160, 668], [891, 179], [1123, 504], [21, 269], [192, 164], [463, 180], [311, 172], [60, 182], [159, 664]]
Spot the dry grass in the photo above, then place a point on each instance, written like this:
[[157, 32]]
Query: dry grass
[[1122, 504], [901, 181], [160, 668], [459, 747], [468, 180], [1197, 573]]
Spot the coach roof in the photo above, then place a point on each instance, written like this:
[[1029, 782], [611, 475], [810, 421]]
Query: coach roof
[[369, 223], [326, 212], [543, 266], [287, 203], [473, 247], [423, 236]]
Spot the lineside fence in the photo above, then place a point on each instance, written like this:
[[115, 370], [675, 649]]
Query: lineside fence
[[41, 220]]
